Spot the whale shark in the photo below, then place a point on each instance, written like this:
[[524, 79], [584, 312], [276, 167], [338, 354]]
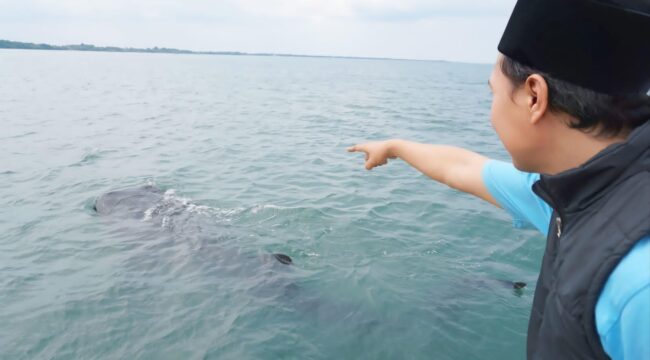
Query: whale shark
[[219, 251], [150, 203], [233, 264]]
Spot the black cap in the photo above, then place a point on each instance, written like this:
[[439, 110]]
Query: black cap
[[602, 45]]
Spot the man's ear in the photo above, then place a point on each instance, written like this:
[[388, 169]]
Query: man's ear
[[536, 90]]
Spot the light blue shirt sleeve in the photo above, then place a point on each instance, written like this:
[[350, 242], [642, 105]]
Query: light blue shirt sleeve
[[623, 307], [513, 190]]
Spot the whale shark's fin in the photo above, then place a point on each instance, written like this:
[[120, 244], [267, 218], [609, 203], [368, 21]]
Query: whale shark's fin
[[282, 258], [518, 285]]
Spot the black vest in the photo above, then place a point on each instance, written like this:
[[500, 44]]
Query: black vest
[[601, 210]]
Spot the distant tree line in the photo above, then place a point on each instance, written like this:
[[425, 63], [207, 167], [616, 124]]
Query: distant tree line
[[6, 44]]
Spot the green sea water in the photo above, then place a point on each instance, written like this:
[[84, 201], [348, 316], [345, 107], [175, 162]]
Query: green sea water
[[386, 264]]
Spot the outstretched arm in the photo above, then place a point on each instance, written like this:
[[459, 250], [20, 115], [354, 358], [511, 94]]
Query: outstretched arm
[[455, 167]]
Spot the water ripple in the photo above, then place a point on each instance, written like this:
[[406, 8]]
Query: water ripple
[[250, 155]]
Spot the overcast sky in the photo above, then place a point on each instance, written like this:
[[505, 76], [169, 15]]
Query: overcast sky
[[455, 30]]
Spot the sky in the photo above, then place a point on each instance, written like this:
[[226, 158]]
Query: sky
[[453, 30]]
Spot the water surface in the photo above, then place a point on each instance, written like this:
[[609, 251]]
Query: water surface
[[387, 264]]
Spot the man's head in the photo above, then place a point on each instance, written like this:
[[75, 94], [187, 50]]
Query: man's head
[[532, 112], [573, 77]]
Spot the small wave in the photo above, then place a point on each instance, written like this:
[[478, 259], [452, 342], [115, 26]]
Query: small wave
[[165, 224], [257, 208], [90, 156], [148, 214], [18, 136], [171, 198], [174, 204]]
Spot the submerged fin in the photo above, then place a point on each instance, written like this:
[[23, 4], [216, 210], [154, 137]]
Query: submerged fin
[[517, 285], [284, 259]]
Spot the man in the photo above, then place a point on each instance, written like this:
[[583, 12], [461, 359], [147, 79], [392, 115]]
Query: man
[[570, 102]]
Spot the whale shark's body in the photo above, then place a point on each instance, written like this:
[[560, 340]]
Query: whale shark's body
[[224, 255], [218, 251], [149, 203], [131, 202]]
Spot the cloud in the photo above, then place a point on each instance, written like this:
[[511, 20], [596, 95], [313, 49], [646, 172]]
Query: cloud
[[463, 30], [305, 9], [117, 10], [382, 10]]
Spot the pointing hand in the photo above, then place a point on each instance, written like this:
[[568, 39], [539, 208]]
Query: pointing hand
[[377, 153]]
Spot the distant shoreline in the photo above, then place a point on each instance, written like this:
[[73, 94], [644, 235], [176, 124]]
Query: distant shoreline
[[7, 44]]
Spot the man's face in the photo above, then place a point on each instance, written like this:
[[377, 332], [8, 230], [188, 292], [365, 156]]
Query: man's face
[[511, 120]]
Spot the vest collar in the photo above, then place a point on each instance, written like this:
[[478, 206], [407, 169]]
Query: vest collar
[[575, 189]]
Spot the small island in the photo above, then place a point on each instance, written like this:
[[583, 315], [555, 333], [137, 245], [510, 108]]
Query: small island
[[6, 44]]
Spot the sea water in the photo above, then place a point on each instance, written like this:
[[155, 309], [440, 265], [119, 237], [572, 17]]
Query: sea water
[[387, 264]]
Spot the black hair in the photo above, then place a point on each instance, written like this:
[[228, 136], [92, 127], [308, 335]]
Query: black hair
[[602, 114]]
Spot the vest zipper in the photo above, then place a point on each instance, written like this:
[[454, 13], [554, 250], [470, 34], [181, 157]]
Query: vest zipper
[[541, 191]]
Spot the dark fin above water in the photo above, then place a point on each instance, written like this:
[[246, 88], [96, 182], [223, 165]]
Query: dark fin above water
[[518, 285], [284, 259]]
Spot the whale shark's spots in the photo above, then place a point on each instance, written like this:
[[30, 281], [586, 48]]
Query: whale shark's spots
[[285, 259]]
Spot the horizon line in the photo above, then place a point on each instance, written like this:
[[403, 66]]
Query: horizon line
[[18, 45]]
